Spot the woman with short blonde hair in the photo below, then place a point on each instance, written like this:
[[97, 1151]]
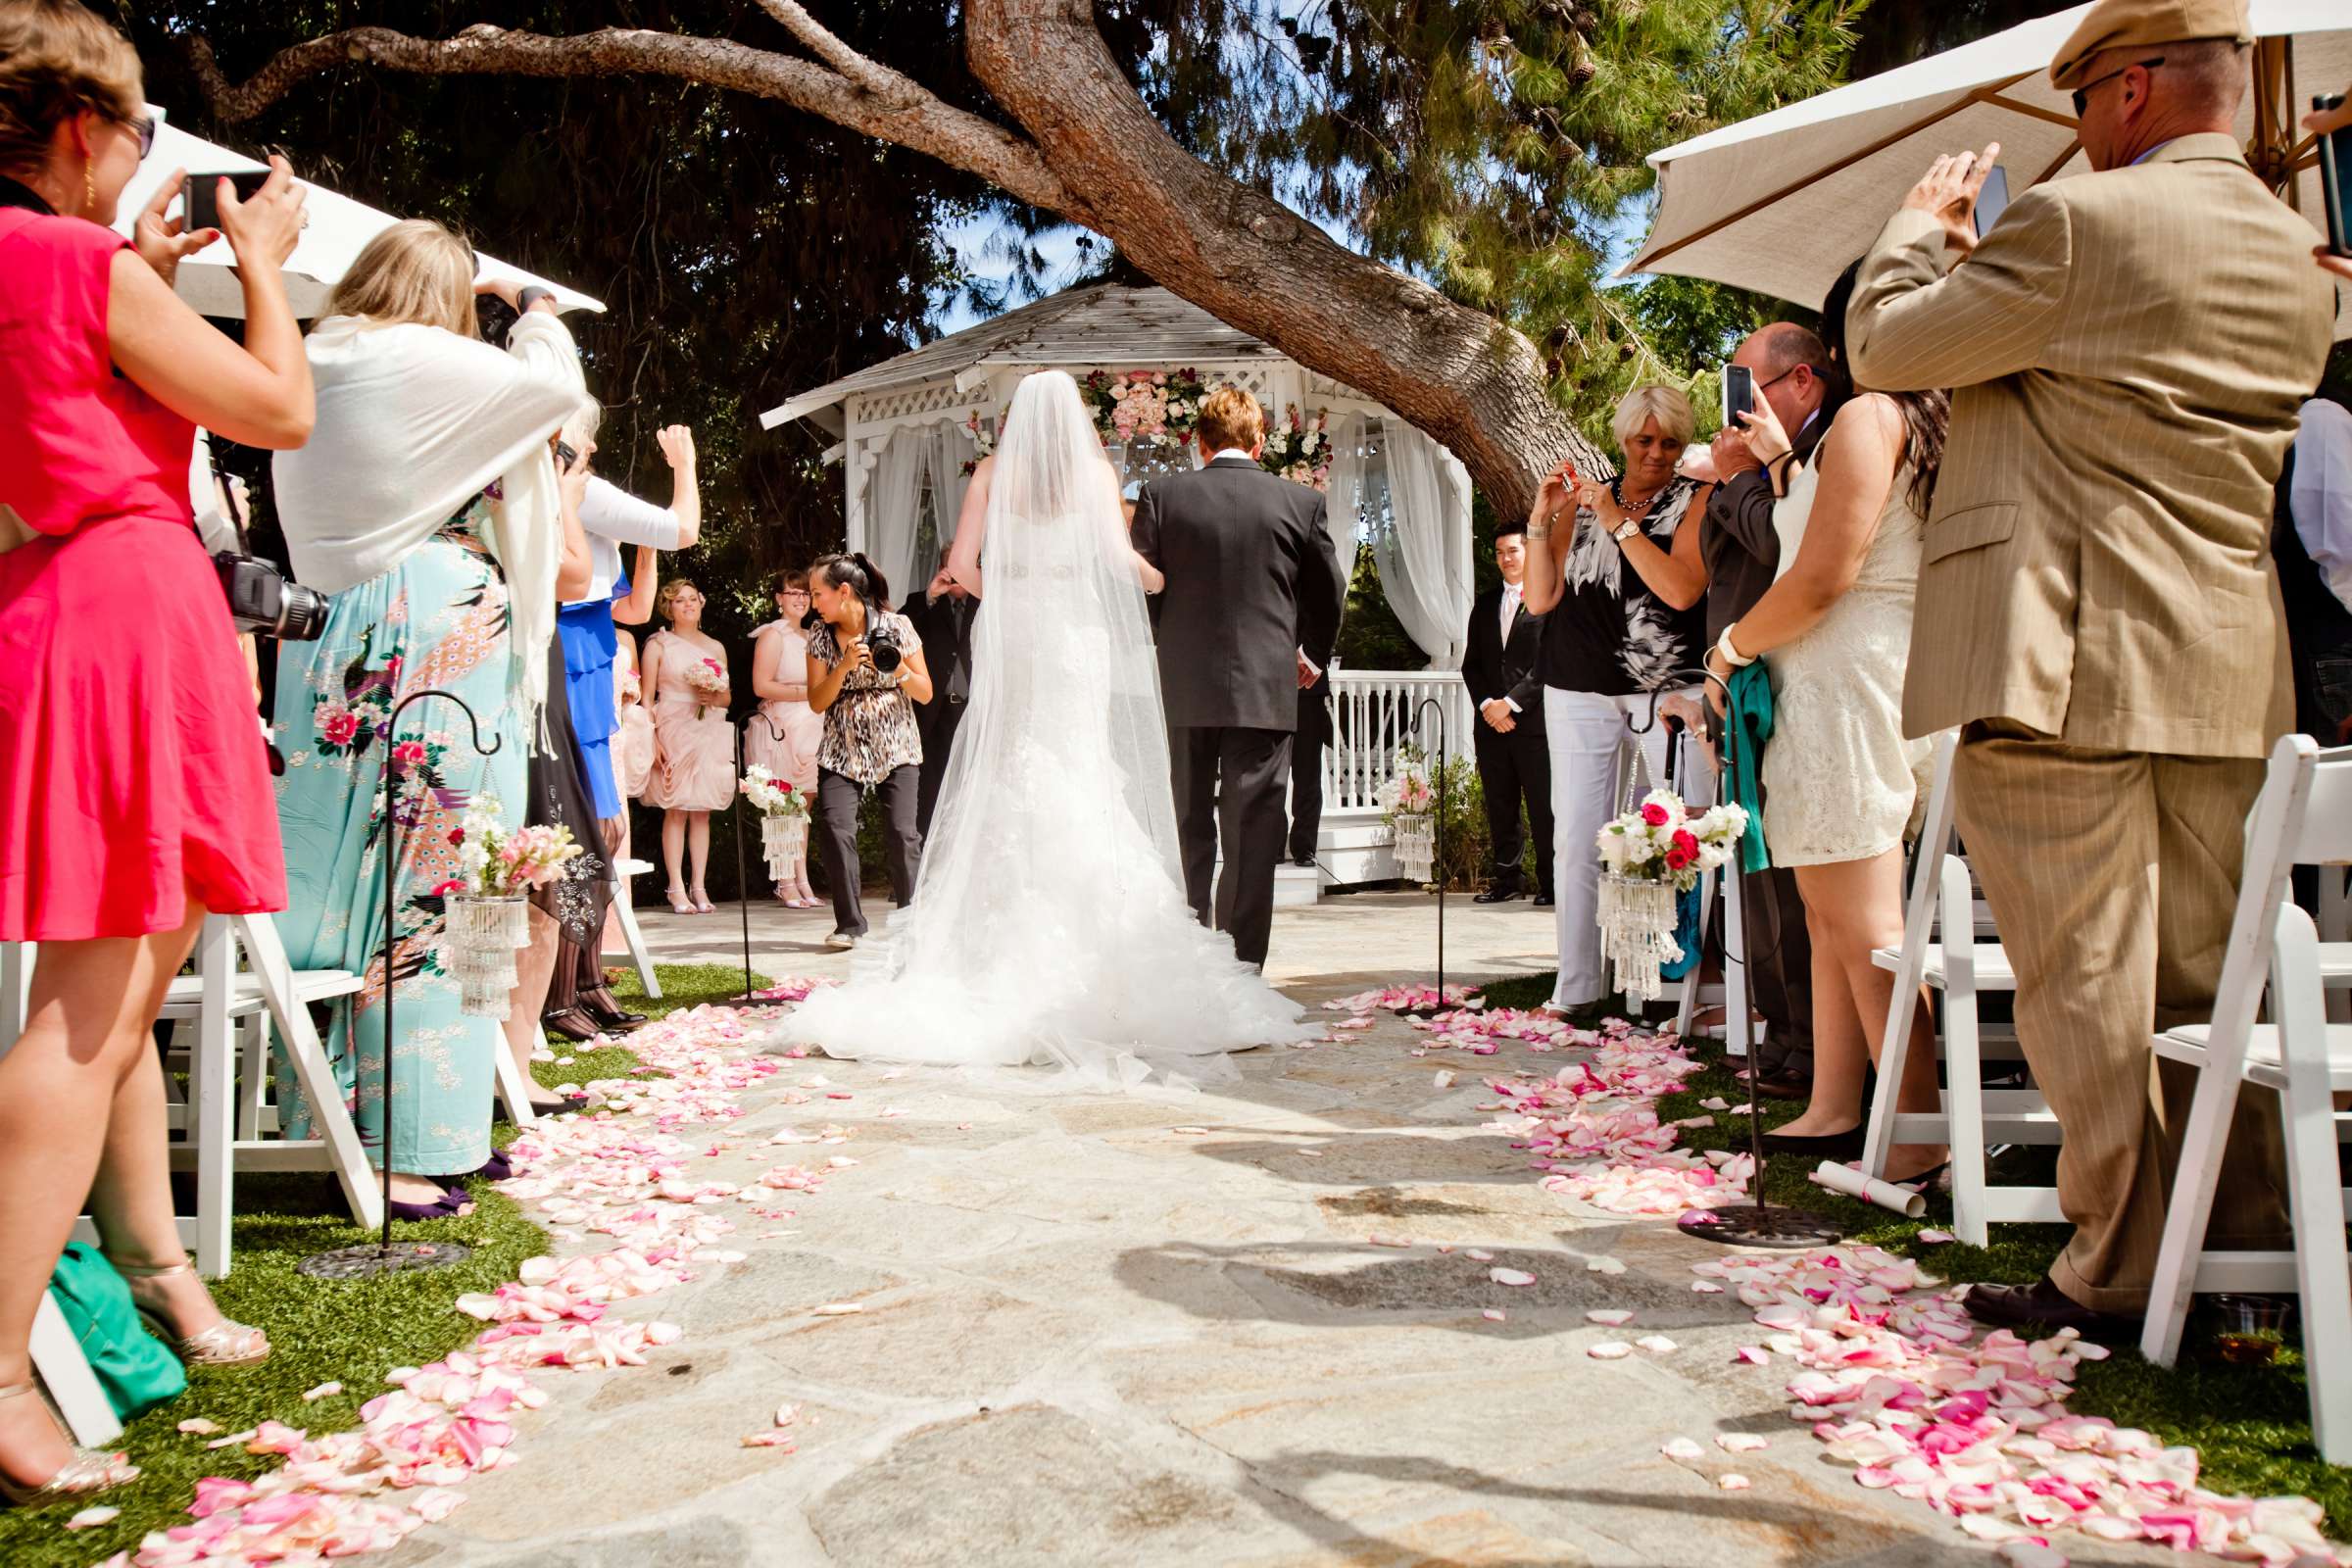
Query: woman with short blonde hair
[[1613, 566]]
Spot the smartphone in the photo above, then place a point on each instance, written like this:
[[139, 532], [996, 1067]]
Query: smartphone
[[1993, 200], [203, 195], [2336, 175], [1739, 394]]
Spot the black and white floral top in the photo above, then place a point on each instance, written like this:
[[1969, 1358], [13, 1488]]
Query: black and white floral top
[[1609, 634], [869, 731]]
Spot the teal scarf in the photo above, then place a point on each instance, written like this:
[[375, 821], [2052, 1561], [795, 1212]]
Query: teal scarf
[[1748, 719]]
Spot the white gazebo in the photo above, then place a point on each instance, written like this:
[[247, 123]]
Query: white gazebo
[[907, 429]]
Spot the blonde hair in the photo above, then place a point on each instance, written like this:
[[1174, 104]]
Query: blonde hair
[[57, 60], [415, 271], [1231, 418], [1664, 403], [669, 595], [585, 422]]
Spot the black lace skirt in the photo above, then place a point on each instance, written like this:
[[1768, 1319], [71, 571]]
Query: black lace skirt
[[558, 797]]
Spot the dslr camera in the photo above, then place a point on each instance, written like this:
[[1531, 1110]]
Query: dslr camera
[[881, 641], [260, 600]]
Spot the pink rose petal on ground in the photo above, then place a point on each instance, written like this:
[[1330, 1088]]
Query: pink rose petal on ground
[[1935, 1238], [2031, 1554], [770, 1439], [198, 1426], [1679, 1448], [840, 1308], [1610, 1350], [1655, 1343], [1603, 1266], [1740, 1442], [1704, 1287], [1511, 1276], [323, 1391], [92, 1518], [1609, 1316], [1482, 1257], [1388, 1240], [1492, 1314], [1444, 1080], [1731, 1481]]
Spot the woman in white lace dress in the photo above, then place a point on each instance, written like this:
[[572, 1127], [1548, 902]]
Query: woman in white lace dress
[[1843, 787]]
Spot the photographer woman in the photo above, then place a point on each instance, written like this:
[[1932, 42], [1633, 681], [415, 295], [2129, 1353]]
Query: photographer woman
[[134, 790], [870, 741], [427, 505], [1619, 587]]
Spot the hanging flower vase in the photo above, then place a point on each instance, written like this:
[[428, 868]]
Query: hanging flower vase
[[1636, 931], [1416, 835], [482, 934], [783, 838]]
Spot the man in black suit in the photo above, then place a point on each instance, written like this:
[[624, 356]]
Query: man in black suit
[[1514, 759], [1743, 556], [944, 622], [1246, 621], [1314, 734]]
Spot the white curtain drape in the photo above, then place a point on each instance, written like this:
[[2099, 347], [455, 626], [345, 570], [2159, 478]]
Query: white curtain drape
[[1343, 488], [921, 466], [892, 494], [1423, 551]]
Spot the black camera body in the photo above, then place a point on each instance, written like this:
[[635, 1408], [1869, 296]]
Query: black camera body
[[261, 600], [882, 642]]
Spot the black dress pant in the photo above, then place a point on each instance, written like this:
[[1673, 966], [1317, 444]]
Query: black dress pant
[[1306, 774], [1228, 786], [939, 721], [837, 799], [1513, 768], [1779, 968]]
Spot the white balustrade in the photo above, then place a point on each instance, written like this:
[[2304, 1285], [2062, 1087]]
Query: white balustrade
[[1377, 712]]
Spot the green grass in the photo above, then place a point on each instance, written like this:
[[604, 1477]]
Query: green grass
[[321, 1331], [2252, 1424]]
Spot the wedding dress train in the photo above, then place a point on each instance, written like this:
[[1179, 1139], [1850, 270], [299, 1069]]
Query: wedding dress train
[[1049, 925]]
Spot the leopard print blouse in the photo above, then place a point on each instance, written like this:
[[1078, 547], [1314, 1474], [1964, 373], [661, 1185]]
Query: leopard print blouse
[[869, 731]]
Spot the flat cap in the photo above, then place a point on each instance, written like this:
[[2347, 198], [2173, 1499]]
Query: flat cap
[[2136, 23]]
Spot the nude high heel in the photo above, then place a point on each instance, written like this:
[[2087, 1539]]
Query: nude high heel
[[87, 1472], [225, 1344]]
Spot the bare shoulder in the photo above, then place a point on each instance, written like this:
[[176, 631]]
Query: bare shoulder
[[1869, 416]]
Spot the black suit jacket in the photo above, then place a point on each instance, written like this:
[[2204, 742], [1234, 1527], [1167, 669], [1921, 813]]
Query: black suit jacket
[[946, 649], [1736, 540], [1492, 670], [1252, 580]]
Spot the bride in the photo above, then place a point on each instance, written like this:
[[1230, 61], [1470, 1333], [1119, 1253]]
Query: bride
[[1049, 923]]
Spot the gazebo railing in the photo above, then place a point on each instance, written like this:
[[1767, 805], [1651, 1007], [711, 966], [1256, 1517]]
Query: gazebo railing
[[1374, 713]]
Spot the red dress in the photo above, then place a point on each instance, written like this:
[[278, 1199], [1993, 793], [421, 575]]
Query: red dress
[[132, 771]]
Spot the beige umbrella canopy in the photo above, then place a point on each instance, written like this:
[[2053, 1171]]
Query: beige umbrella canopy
[[338, 229], [1781, 203]]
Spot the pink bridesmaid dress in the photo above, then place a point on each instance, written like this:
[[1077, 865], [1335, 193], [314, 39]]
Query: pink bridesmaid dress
[[694, 763], [791, 757]]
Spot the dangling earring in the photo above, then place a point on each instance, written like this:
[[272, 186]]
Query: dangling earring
[[89, 188]]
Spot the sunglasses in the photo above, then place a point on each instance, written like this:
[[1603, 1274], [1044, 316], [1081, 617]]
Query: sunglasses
[[143, 127], [2082, 94]]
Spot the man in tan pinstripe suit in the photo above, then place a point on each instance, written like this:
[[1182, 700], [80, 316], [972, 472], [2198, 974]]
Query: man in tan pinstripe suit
[[2126, 350]]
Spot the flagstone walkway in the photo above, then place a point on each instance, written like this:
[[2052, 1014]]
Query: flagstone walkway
[[1155, 1330]]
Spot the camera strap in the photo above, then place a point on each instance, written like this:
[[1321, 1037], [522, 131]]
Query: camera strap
[[228, 496]]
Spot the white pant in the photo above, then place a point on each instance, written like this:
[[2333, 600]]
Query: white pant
[[1587, 732]]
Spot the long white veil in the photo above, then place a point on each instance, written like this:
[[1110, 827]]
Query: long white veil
[[1049, 923]]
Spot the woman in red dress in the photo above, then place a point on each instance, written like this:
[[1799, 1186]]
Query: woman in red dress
[[134, 789]]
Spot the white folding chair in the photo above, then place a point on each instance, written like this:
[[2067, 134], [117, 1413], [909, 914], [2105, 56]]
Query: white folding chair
[[65, 1372], [624, 872], [2303, 817], [1945, 948]]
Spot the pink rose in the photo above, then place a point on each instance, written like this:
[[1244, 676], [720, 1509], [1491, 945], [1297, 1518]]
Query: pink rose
[[339, 728], [1655, 814], [1678, 857]]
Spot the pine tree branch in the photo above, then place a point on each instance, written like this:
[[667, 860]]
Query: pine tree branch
[[876, 102]]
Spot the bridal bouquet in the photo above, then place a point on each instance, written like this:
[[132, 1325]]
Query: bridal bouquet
[[707, 678], [783, 818], [487, 914], [1648, 855]]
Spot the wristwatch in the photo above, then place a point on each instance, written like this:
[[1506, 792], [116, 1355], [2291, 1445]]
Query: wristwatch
[[1626, 529]]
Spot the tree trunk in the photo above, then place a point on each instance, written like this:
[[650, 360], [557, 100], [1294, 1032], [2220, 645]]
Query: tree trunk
[[1094, 153], [1462, 376]]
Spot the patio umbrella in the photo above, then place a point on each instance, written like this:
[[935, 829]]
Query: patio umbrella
[[1781, 203], [338, 227]]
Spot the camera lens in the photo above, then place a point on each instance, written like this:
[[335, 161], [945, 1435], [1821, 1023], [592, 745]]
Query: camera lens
[[301, 613]]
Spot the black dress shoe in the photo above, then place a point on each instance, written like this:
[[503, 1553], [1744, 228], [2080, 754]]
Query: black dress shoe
[[1496, 896], [1304, 863], [571, 1023], [1542, 901], [1846, 1144], [608, 1014], [2043, 1306]]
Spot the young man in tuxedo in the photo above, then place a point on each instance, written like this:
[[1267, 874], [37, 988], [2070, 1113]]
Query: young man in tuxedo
[[1245, 622], [1499, 666]]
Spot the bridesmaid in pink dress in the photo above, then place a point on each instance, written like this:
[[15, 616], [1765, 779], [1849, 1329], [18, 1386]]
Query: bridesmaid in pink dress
[[780, 680], [685, 677], [634, 753]]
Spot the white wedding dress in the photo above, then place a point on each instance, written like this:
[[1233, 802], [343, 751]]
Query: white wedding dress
[[1049, 925]]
